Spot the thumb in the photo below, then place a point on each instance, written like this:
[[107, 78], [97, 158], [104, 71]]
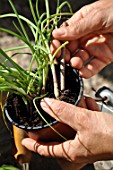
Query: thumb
[[63, 112], [79, 25]]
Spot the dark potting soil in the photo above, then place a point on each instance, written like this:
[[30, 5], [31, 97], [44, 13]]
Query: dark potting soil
[[28, 116]]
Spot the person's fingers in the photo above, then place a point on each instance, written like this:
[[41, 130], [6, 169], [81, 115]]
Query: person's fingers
[[67, 55], [83, 54], [91, 104], [59, 150], [49, 150], [76, 62], [92, 68], [79, 59], [55, 44], [64, 112], [70, 149], [72, 46], [109, 41], [29, 143], [82, 103]]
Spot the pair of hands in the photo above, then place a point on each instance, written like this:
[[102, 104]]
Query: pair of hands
[[91, 31]]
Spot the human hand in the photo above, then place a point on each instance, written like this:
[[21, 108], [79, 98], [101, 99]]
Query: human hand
[[90, 30], [94, 133]]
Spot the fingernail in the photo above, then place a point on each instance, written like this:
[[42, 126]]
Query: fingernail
[[58, 32], [46, 102]]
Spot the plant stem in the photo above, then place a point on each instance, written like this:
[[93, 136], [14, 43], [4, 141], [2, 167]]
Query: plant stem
[[55, 82], [62, 70], [62, 66]]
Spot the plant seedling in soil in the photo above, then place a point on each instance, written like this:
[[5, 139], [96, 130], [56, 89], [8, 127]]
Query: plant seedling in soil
[[26, 87]]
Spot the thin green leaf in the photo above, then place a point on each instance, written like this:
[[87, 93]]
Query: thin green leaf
[[17, 28], [16, 48], [20, 69], [37, 9], [33, 12], [19, 20], [18, 36]]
